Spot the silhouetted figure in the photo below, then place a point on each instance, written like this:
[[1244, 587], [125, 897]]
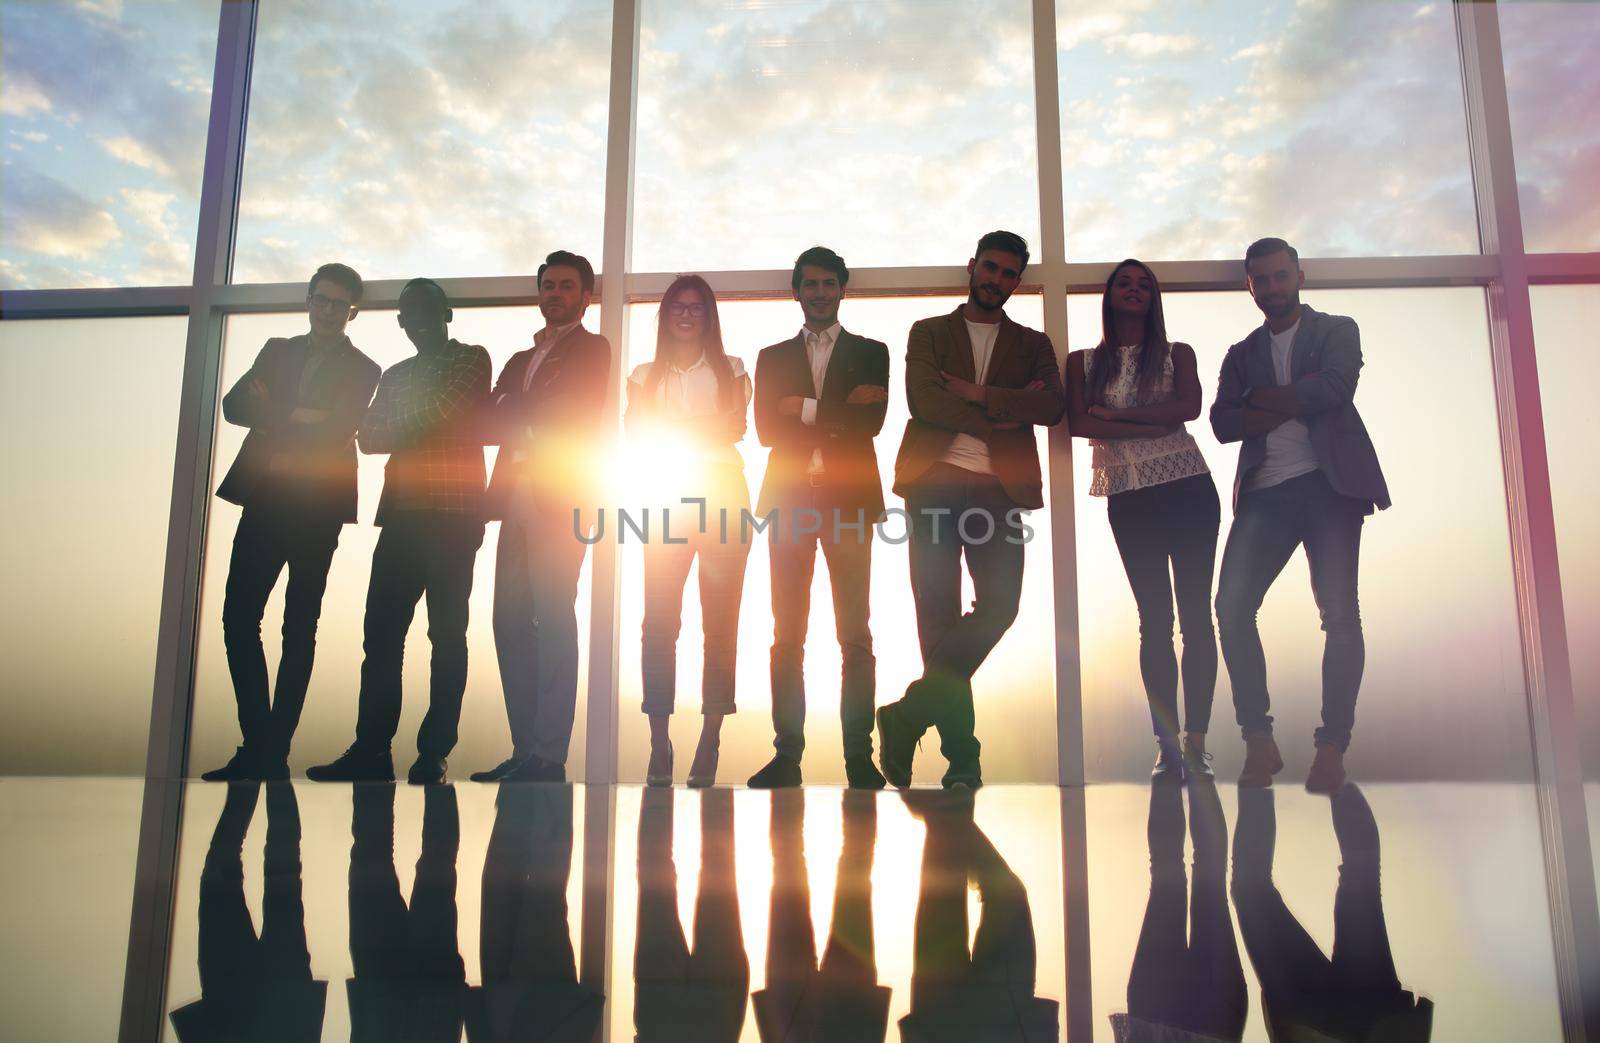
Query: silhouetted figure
[[530, 985], [820, 399], [426, 417], [1186, 984], [547, 415], [1131, 395], [698, 995], [840, 1000], [692, 399], [958, 994], [254, 987], [295, 477], [968, 467], [1308, 475], [1352, 997], [409, 981]]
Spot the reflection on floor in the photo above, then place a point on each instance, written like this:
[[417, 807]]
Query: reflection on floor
[[532, 912]]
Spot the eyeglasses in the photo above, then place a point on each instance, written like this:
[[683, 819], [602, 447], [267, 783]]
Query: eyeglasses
[[697, 310], [329, 304]]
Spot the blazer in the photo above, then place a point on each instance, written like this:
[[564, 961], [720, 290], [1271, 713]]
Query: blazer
[[1020, 356], [314, 477], [843, 432], [549, 434], [1323, 369]]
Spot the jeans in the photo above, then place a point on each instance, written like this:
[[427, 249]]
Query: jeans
[[536, 628], [955, 644], [1267, 527], [263, 545], [794, 559], [419, 553], [1174, 522]]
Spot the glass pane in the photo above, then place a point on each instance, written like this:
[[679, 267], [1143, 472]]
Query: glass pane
[[1437, 702], [1552, 90], [880, 129], [103, 111], [90, 431], [328, 724], [1189, 130], [1016, 685], [417, 137]]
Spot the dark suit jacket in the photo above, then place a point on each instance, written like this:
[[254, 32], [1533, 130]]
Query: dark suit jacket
[[556, 424], [843, 432], [1020, 356], [1324, 368], [316, 474]]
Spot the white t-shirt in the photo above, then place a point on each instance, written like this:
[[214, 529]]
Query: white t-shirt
[[1289, 450], [966, 450]]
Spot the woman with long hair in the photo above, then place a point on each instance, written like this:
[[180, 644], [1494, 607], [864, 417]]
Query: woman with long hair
[[690, 403], [1130, 396]]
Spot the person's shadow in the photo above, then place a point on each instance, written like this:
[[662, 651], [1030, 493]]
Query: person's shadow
[[1186, 983], [840, 1000], [959, 995], [1355, 994], [254, 987], [530, 985], [409, 980], [681, 993]]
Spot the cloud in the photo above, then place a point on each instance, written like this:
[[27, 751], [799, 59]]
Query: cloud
[[44, 216], [22, 95], [132, 150], [1150, 45]]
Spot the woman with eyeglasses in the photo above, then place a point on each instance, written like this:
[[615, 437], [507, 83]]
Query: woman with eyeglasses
[[686, 411], [1130, 396]]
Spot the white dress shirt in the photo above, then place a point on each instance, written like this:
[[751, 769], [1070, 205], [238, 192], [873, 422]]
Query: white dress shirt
[[819, 351], [692, 392]]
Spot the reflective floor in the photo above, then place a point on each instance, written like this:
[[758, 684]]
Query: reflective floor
[[536, 912]]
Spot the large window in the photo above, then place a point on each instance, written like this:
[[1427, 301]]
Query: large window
[[1189, 130], [103, 124]]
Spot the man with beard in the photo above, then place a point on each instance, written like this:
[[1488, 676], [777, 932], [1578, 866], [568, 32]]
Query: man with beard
[[968, 467], [1307, 475], [820, 398], [546, 414]]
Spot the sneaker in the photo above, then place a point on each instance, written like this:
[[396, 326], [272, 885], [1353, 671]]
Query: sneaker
[[427, 771], [1327, 770], [240, 766], [965, 775], [1169, 762], [1261, 760], [781, 772], [861, 773], [897, 745], [355, 765]]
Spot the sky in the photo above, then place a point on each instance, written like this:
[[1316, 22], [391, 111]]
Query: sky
[[469, 139]]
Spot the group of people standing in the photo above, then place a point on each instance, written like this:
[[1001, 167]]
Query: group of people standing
[[977, 384]]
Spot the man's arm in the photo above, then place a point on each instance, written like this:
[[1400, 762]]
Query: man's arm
[[1329, 387], [773, 426], [1041, 402], [430, 404], [926, 394], [1231, 419], [374, 434], [334, 428], [498, 423], [246, 404], [863, 419], [580, 394]]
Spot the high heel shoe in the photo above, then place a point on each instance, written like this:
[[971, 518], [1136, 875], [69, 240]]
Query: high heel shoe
[[665, 779], [708, 778]]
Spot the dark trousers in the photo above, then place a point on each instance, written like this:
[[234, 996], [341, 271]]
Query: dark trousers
[[666, 569], [536, 629], [1267, 527], [1173, 525], [955, 644], [794, 559], [419, 554], [263, 545]]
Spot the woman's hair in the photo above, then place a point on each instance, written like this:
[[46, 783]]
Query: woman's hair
[[710, 344], [1153, 354]]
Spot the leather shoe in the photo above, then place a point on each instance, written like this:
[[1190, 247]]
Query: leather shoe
[[1169, 762], [426, 771], [1327, 770], [355, 765], [1196, 761], [781, 772], [241, 766], [861, 773], [897, 745], [537, 769], [504, 770], [1261, 760]]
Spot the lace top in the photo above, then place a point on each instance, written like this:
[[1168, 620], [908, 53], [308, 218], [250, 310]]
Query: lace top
[[1124, 464]]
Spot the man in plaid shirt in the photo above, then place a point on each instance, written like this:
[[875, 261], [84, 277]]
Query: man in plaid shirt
[[425, 417]]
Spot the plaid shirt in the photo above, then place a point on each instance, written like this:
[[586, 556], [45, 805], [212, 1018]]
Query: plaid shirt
[[425, 417]]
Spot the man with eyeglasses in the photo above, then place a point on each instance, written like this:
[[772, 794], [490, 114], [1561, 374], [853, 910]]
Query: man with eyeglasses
[[295, 477], [546, 415], [425, 416]]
